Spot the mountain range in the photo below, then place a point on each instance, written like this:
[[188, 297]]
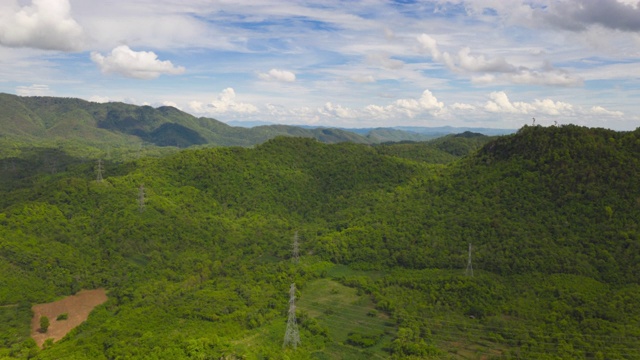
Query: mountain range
[[522, 246], [99, 123]]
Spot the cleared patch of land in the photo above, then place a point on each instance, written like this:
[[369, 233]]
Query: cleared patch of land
[[343, 312], [77, 307]]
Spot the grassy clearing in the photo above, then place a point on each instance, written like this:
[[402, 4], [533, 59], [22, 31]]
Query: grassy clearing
[[343, 312]]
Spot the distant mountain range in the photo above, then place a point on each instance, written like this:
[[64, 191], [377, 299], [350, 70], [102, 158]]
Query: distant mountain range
[[53, 118]]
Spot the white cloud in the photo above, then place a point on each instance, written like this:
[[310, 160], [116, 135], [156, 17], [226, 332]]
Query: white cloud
[[99, 99], [551, 76], [478, 63], [497, 69], [45, 24], [278, 75], [426, 104], [226, 103], [483, 79], [196, 106], [363, 78], [134, 64], [376, 111], [599, 110], [550, 107], [500, 103], [431, 45], [463, 107], [33, 90], [337, 111], [385, 61], [172, 104]]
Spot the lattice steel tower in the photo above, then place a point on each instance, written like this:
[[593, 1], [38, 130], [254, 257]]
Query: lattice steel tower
[[141, 198], [296, 248], [469, 271], [99, 171], [292, 336]]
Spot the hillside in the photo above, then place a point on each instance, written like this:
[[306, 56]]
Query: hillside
[[198, 264], [118, 124], [442, 150]]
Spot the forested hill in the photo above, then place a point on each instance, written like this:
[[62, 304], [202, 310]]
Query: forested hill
[[195, 249], [95, 124]]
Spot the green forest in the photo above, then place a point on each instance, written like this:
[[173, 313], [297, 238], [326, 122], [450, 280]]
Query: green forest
[[523, 246]]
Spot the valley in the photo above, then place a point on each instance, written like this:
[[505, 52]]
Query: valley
[[199, 263]]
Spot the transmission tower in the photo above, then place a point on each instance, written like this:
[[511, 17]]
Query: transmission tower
[[99, 170], [469, 271], [141, 198], [292, 336], [296, 248]]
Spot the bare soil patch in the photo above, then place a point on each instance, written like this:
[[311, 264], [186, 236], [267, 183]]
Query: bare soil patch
[[77, 307]]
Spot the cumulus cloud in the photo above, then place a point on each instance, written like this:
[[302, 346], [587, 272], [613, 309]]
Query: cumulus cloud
[[337, 111], [431, 45], [464, 60], [410, 107], [134, 64], [599, 110], [581, 14], [278, 75], [172, 104], [45, 24], [33, 90], [463, 107], [427, 106], [427, 102], [496, 69], [499, 103], [225, 103]]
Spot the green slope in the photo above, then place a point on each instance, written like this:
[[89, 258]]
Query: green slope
[[95, 124], [204, 268]]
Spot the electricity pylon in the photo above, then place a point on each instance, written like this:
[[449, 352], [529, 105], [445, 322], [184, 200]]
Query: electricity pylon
[[296, 248], [99, 170], [292, 336], [469, 271], [141, 198]]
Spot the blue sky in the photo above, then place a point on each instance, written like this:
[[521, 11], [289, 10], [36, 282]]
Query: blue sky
[[369, 63]]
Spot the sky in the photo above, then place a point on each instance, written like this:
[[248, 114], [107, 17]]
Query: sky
[[357, 64]]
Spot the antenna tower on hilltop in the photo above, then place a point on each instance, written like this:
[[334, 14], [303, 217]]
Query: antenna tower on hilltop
[[469, 271], [292, 336]]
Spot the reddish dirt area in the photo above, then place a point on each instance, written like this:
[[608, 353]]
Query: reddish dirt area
[[77, 307]]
